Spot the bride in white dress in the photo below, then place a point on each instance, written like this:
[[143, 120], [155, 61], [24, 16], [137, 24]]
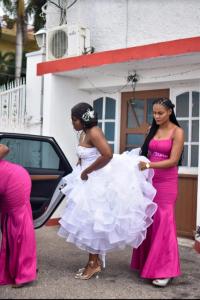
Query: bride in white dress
[[109, 200]]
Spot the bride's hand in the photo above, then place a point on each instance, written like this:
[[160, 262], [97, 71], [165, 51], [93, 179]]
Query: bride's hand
[[84, 175], [142, 165]]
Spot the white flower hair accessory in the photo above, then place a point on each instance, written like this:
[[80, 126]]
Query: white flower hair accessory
[[88, 115]]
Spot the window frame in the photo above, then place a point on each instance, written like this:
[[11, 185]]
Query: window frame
[[103, 120], [175, 91]]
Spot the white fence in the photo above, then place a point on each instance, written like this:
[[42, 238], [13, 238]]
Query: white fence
[[13, 106]]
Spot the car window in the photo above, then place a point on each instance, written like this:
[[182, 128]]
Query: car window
[[32, 153]]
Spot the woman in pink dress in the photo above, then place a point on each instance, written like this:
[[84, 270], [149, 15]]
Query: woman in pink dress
[[18, 245], [157, 258]]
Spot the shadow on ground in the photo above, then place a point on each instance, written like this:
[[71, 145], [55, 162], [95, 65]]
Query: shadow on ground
[[58, 261]]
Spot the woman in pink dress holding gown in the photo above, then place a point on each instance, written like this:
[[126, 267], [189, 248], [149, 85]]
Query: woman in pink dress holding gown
[[18, 245], [157, 258]]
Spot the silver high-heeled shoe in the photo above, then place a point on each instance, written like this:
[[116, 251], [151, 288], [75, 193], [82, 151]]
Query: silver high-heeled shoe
[[93, 272], [101, 261]]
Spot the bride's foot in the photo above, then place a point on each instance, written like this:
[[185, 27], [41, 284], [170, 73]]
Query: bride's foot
[[80, 271], [92, 268], [161, 282]]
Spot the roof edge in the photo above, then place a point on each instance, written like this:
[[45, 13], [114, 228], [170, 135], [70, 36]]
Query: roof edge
[[168, 48]]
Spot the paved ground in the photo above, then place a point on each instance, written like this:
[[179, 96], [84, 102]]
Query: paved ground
[[58, 261]]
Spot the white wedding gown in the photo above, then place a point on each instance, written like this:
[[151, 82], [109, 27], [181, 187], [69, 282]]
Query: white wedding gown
[[113, 208]]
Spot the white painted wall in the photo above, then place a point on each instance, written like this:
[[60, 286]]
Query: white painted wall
[[124, 23], [53, 16], [33, 93], [114, 79], [61, 94]]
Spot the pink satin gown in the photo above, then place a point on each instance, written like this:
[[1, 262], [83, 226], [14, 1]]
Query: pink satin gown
[[18, 245], [158, 255]]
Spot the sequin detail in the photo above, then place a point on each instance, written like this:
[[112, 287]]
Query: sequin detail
[[158, 154]]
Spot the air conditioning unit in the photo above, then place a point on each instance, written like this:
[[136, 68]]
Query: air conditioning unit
[[66, 41]]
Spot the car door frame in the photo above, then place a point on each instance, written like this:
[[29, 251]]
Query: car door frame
[[57, 196]]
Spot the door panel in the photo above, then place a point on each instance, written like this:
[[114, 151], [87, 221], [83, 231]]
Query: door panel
[[136, 116], [43, 187], [186, 206], [46, 164]]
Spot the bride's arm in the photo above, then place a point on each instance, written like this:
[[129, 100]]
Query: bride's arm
[[98, 140]]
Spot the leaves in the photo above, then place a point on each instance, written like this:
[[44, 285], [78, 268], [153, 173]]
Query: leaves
[[19, 11], [7, 67], [34, 9]]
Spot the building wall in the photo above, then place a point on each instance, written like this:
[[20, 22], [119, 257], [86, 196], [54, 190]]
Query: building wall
[[61, 95], [124, 23], [33, 93]]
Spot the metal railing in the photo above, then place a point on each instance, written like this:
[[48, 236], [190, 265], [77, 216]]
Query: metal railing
[[13, 106]]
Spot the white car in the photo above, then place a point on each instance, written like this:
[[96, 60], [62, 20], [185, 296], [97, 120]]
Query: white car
[[46, 163]]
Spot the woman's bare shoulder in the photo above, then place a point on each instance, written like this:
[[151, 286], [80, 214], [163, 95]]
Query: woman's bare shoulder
[[95, 130], [178, 133], [178, 130]]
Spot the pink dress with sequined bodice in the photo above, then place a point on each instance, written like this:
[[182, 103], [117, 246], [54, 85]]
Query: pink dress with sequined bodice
[[158, 255]]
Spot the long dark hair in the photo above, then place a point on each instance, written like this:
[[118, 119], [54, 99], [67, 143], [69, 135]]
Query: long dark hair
[[154, 127], [86, 114]]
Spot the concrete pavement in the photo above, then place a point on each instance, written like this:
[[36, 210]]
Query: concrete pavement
[[58, 261]]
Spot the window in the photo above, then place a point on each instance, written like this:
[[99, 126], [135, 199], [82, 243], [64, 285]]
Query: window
[[32, 153], [187, 112], [106, 110]]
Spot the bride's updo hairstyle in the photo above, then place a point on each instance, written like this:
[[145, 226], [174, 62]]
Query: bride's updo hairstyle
[[86, 114]]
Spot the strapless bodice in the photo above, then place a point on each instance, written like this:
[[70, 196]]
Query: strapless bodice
[[87, 154]]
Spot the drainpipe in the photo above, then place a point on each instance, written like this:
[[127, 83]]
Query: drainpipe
[[40, 36], [42, 93], [41, 104]]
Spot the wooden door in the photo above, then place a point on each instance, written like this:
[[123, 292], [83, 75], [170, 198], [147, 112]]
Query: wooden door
[[186, 205], [136, 116]]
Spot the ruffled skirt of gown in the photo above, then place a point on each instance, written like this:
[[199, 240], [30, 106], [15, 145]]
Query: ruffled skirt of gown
[[110, 210]]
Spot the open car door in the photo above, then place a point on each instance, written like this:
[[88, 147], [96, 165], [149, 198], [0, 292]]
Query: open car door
[[47, 165]]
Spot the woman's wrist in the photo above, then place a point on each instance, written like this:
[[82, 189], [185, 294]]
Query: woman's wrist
[[148, 165], [86, 171]]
